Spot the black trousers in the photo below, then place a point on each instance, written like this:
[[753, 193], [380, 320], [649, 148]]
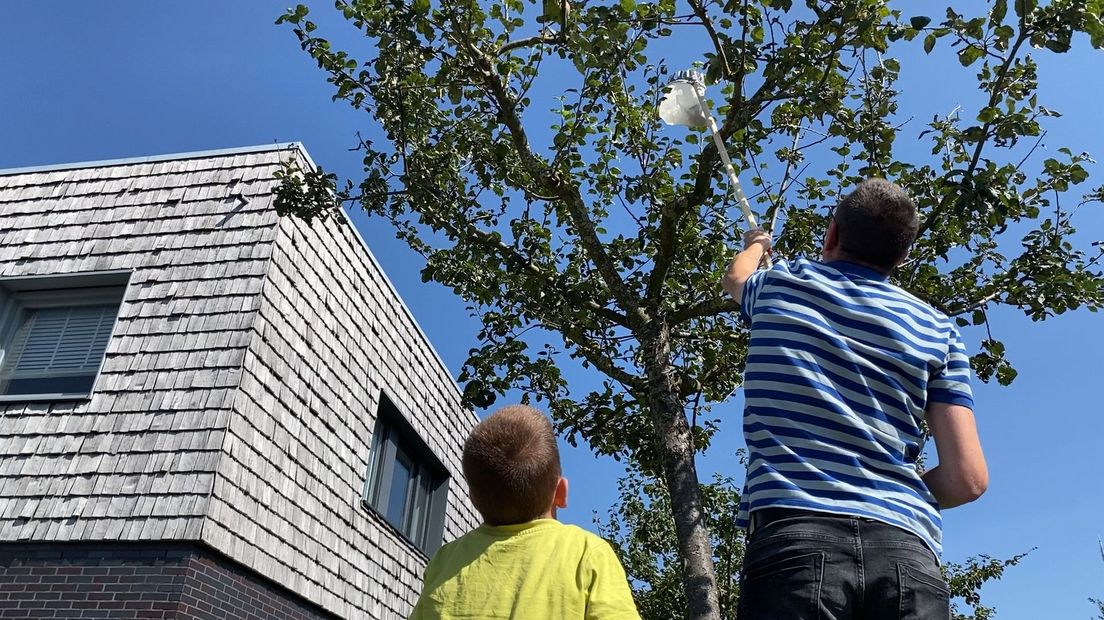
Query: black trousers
[[802, 565]]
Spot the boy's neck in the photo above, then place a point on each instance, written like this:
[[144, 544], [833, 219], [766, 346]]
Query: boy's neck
[[549, 514]]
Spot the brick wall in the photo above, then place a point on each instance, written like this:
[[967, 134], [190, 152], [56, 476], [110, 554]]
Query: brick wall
[[146, 580]]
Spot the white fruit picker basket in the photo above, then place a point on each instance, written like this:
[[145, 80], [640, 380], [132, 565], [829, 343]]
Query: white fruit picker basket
[[684, 104]]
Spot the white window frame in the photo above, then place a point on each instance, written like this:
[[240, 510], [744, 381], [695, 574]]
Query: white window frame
[[20, 294], [422, 521]]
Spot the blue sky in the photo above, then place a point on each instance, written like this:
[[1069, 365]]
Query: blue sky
[[85, 81]]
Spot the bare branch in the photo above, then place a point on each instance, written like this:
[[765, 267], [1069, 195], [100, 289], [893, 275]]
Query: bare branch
[[528, 42], [973, 305]]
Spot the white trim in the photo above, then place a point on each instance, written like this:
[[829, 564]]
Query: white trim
[[76, 279], [40, 398], [103, 163]]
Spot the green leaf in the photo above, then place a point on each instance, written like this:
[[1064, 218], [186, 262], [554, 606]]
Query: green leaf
[[1025, 7], [628, 6], [919, 22], [988, 115], [1000, 9], [929, 43], [968, 55]]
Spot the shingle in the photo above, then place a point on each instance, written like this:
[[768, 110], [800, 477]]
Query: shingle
[[298, 409], [130, 217]]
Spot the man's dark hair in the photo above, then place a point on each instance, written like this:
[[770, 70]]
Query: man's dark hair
[[877, 223], [512, 465]]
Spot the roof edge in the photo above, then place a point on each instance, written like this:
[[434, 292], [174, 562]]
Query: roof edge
[[103, 163], [347, 219]]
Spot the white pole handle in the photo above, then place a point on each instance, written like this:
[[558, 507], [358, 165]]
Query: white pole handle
[[749, 217]]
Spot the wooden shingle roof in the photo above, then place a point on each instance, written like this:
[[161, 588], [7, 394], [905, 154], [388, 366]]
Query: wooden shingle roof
[[137, 461]]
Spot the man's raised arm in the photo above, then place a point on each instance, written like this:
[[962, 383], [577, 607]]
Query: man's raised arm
[[756, 244]]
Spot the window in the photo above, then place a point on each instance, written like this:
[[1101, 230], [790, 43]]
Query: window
[[405, 483], [53, 333]]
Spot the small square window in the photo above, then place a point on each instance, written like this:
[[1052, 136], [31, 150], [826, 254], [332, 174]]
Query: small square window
[[54, 331], [405, 482]]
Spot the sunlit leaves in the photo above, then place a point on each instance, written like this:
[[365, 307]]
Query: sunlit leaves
[[966, 580]]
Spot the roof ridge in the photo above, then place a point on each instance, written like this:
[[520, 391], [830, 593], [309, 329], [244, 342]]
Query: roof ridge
[[103, 163]]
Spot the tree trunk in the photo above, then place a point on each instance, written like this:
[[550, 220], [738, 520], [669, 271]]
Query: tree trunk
[[676, 451]]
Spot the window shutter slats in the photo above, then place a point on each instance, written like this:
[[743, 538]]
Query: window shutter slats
[[64, 339]]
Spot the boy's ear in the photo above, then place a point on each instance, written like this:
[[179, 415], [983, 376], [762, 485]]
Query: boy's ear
[[559, 500]]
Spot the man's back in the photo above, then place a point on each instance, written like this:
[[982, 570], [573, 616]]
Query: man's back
[[535, 570], [841, 366]]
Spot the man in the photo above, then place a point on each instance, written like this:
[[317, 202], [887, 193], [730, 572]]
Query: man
[[843, 371]]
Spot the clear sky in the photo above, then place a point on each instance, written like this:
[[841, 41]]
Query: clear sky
[[99, 80]]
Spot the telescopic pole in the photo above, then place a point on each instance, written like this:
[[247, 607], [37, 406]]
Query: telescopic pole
[[737, 189]]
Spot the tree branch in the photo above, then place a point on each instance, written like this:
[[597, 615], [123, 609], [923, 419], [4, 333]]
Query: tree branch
[[511, 255], [593, 354], [739, 112], [995, 94], [712, 307], [699, 10], [555, 186], [973, 305], [528, 42]]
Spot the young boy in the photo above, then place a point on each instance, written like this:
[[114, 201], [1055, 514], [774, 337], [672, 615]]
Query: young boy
[[843, 370], [522, 563]]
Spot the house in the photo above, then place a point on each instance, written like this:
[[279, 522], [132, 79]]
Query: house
[[209, 411]]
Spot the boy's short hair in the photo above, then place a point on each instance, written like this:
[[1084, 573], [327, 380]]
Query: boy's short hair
[[877, 224], [512, 465]]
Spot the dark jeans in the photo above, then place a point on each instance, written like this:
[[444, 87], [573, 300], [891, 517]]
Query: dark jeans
[[808, 566]]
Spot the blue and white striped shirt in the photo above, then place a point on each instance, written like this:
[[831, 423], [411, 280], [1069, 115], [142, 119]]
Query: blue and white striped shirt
[[841, 366]]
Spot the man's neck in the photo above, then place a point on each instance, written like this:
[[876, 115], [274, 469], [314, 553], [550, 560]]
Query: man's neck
[[843, 257]]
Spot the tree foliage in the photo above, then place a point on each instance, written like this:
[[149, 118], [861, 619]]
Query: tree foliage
[[966, 580], [521, 155], [642, 532]]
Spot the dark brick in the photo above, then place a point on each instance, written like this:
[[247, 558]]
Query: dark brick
[[124, 581]]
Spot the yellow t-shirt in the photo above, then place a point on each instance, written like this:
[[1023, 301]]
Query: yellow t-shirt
[[533, 571]]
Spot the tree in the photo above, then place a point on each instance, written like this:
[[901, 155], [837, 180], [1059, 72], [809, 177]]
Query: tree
[[593, 234], [965, 581], [642, 532]]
